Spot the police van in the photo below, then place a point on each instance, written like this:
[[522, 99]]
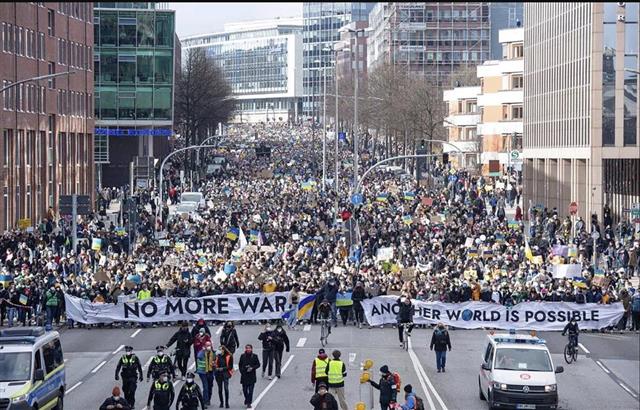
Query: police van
[[517, 372], [32, 372]]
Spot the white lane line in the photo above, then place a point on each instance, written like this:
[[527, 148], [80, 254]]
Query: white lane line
[[602, 367], [136, 333], [98, 367], [301, 342], [118, 349], [72, 388], [628, 390], [307, 328], [219, 330], [147, 363], [415, 361], [424, 375], [193, 366], [65, 360], [584, 349], [270, 385]]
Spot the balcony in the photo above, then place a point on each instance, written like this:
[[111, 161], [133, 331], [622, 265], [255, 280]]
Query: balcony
[[462, 120], [500, 128]]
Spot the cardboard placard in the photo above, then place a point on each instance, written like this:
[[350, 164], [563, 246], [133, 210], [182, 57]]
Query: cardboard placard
[[408, 274]]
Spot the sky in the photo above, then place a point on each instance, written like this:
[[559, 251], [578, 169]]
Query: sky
[[201, 18]]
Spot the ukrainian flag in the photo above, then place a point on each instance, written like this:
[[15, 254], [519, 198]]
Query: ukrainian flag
[[472, 253], [527, 250], [304, 307], [6, 280], [382, 197], [307, 186], [253, 235], [409, 196], [233, 233], [407, 219]]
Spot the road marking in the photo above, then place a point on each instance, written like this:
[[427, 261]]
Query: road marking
[[118, 349], [307, 328], [627, 389], [65, 360], [352, 357], [98, 367], [270, 385], [219, 330], [72, 388], [301, 342], [147, 363], [583, 348], [417, 363], [136, 333], [602, 367], [193, 366]]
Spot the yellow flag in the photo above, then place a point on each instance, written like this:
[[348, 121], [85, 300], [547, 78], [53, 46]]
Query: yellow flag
[[527, 250]]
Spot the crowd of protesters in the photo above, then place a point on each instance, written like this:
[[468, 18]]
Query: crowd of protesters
[[454, 237]]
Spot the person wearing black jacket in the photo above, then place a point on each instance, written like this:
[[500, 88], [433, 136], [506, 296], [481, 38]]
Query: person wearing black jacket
[[183, 341], [248, 365], [266, 338], [440, 341], [161, 393], [331, 294], [115, 402], [130, 369], [387, 387], [323, 400], [358, 295], [190, 395], [280, 341], [405, 316], [229, 337]]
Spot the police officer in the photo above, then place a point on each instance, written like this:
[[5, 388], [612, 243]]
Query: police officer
[[190, 395], [183, 341], [130, 369], [161, 393], [159, 364]]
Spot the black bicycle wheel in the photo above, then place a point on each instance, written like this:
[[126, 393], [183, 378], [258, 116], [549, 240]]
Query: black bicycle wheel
[[323, 334], [568, 354]]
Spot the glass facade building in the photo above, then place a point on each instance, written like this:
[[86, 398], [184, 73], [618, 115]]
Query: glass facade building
[[321, 24], [261, 61], [133, 75]]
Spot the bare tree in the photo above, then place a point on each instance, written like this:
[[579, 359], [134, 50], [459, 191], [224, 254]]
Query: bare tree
[[202, 96]]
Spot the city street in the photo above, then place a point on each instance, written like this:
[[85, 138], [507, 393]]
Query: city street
[[606, 374]]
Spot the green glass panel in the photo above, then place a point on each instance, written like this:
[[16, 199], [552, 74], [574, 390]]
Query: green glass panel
[[108, 28], [162, 102], [163, 67], [108, 66], [146, 29], [144, 102], [108, 103], [145, 66], [164, 29]]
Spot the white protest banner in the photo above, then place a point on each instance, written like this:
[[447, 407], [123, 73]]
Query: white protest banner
[[567, 271], [473, 315], [384, 254], [236, 306]]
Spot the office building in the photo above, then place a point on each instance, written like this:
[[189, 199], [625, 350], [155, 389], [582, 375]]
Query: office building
[[433, 39], [134, 86], [462, 126], [351, 51], [500, 104], [47, 126], [261, 61], [322, 22], [580, 139]]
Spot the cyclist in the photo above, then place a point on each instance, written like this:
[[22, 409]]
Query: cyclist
[[405, 316], [324, 312], [573, 329]]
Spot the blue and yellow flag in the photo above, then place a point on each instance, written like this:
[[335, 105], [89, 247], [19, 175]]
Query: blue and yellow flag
[[407, 219], [233, 233], [253, 235], [5, 280], [472, 253], [382, 197], [409, 196]]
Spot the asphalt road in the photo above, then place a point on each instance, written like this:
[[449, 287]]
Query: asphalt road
[[606, 375]]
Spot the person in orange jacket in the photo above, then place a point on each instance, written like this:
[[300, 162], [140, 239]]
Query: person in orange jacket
[[223, 372]]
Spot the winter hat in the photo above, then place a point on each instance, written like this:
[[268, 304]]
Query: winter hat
[[384, 369]]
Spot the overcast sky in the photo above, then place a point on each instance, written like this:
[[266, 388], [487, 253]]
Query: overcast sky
[[200, 18]]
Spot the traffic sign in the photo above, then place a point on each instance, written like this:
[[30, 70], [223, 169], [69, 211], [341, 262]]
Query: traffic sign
[[453, 178], [573, 208], [595, 235], [342, 136], [515, 155], [357, 199]]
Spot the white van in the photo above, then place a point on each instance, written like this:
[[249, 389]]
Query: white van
[[517, 373], [195, 197], [32, 374]]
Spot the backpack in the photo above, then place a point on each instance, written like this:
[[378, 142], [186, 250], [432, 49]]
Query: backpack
[[396, 381], [419, 403]]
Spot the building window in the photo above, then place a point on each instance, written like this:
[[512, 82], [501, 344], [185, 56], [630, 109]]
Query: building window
[[6, 147], [518, 51], [51, 21], [516, 112], [51, 82], [517, 82]]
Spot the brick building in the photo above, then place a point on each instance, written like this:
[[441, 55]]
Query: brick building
[[46, 146]]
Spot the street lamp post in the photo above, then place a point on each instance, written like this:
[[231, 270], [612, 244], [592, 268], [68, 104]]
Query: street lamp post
[[42, 77]]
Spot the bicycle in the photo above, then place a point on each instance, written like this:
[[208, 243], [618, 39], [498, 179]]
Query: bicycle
[[324, 331], [571, 351], [405, 334]]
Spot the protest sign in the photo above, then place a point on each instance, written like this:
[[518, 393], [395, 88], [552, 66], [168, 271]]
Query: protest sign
[[473, 315], [566, 271], [384, 254]]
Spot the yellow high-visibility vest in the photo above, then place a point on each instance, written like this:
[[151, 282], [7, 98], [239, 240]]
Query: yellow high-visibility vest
[[335, 372], [321, 367]]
